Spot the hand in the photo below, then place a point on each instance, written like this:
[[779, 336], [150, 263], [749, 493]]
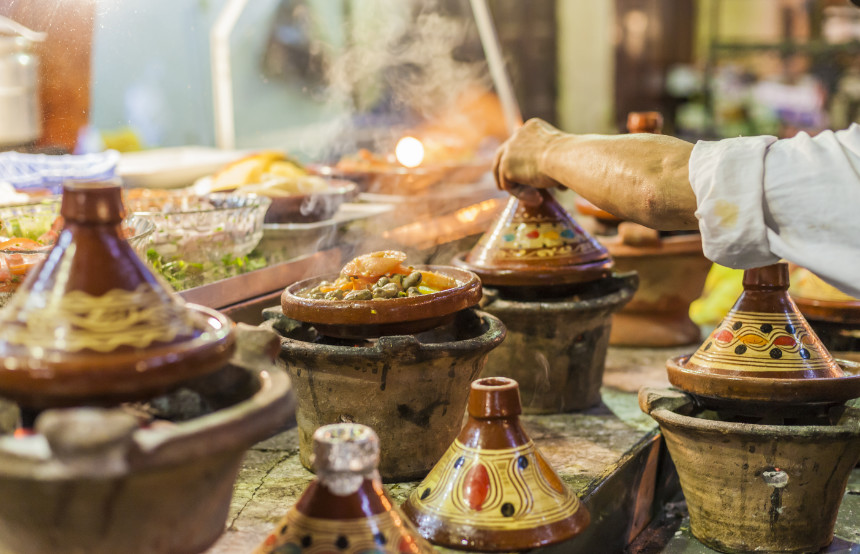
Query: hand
[[517, 165]]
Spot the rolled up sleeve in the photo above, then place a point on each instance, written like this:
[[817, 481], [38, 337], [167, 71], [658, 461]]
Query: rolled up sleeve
[[728, 180], [761, 200]]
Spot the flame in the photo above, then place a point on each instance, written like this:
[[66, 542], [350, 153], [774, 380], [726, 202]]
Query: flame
[[409, 152]]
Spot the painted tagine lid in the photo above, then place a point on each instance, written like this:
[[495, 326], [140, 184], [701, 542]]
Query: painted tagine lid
[[493, 491], [345, 509], [535, 246], [764, 351], [93, 325]]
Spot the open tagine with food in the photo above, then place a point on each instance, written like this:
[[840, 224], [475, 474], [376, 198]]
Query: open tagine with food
[[388, 345]]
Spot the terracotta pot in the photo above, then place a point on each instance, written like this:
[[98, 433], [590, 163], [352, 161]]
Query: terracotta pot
[[540, 245], [412, 389], [346, 508], [374, 318], [672, 273], [556, 348], [93, 325], [757, 488], [91, 480], [493, 490], [764, 354]]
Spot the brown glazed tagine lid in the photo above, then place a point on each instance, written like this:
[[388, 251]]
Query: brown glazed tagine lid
[[536, 246], [493, 491], [345, 509], [765, 353], [93, 325]]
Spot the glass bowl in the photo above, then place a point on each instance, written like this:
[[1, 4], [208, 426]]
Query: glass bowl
[[201, 228], [35, 221]]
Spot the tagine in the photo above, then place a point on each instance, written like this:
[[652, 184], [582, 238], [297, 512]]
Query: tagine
[[375, 294], [93, 325], [765, 355], [345, 509], [493, 490], [553, 285]]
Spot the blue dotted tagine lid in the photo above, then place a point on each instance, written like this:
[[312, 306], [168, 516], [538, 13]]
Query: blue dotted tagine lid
[[765, 351], [536, 245]]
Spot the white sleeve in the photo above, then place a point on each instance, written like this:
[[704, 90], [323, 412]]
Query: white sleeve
[[761, 199]]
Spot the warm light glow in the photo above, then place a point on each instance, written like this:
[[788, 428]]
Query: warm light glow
[[409, 152]]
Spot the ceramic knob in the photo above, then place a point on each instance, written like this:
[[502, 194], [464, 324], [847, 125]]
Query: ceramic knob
[[645, 122]]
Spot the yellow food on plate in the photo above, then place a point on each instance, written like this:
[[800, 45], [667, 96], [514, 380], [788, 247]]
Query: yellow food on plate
[[268, 166]]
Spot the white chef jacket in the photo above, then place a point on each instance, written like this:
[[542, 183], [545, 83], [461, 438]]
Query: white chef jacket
[[761, 199]]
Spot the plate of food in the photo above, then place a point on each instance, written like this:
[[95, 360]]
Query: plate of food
[[297, 194]]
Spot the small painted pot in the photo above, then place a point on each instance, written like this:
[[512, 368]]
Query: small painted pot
[[757, 488], [346, 508], [556, 347], [411, 388], [493, 491]]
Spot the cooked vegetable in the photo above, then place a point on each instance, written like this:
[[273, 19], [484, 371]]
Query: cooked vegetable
[[379, 276]]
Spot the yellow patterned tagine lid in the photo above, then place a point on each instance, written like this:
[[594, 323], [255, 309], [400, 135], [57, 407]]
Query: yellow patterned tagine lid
[[764, 351], [345, 509], [493, 491], [93, 325], [536, 245]]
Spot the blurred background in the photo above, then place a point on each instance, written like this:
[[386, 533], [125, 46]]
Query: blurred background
[[135, 75]]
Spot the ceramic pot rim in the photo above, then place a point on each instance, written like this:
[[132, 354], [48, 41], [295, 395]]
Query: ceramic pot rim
[[234, 428], [829, 310], [486, 341], [763, 390], [666, 414], [378, 312], [540, 276], [677, 245], [629, 283], [152, 368]]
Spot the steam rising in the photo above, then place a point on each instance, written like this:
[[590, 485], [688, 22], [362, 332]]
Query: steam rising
[[402, 64]]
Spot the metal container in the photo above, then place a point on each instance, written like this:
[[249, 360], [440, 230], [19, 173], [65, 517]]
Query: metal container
[[20, 114]]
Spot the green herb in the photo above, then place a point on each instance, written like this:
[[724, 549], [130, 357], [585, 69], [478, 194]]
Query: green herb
[[185, 275]]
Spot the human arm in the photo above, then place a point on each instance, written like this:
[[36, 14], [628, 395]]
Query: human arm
[[638, 177]]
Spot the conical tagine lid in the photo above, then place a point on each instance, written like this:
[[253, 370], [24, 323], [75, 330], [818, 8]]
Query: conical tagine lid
[[537, 245], [94, 325], [493, 490], [763, 350], [346, 508]]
